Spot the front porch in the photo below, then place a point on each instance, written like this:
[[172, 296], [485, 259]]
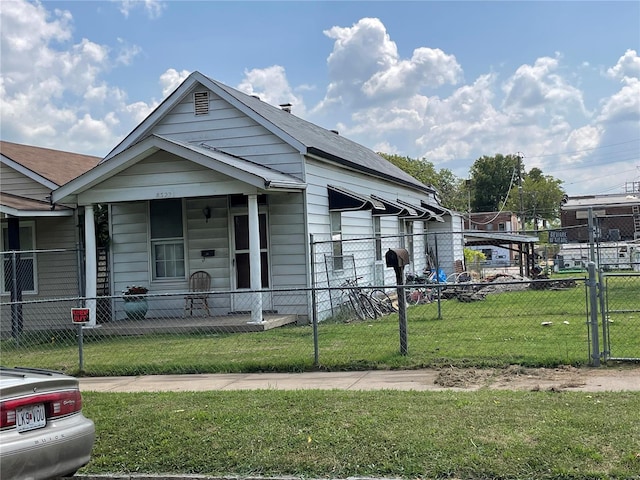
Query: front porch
[[232, 323]]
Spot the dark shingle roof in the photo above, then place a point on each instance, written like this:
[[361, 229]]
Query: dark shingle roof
[[325, 143]]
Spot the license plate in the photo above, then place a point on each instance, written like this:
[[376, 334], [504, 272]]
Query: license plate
[[30, 417]]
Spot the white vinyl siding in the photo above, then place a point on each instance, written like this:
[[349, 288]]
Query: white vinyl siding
[[16, 183], [228, 129]]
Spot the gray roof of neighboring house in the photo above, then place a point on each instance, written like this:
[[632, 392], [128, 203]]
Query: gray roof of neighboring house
[[612, 200], [325, 143]]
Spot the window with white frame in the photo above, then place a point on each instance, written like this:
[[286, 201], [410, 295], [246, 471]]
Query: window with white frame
[[167, 238], [377, 237], [25, 264], [336, 238]]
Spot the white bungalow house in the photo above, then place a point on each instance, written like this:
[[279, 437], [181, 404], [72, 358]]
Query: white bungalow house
[[220, 181]]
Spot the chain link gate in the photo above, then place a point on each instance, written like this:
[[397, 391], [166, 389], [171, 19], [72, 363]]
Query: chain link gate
[[621, 316]]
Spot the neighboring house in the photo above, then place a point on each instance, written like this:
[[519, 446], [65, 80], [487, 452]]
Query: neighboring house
[[616, 222], [500, 253], [33, 225], [221, 181], [616, 217]]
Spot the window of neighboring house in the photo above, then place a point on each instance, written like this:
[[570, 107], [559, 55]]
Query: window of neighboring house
[[377, 236], [489, 226], [336, 238], [502, 227], [488, 253], [26, 263], [167, 238]]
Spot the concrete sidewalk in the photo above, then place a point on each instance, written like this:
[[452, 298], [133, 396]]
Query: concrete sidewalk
[[565, 378]]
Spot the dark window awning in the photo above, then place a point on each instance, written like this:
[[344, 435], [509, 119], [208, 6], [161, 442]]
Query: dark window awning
[[436, 208], [423, 213], [343, 200], [393, 208]]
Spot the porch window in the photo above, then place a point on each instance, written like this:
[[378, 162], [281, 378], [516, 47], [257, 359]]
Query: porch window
[[167, 238], [336, 238], [25, 266], [377, 236]]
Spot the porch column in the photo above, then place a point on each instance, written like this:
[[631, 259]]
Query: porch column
[[91, 263], [254, 259]]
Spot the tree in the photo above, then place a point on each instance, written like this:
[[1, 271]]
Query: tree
[[493, 180], [449, 187], [541, 197]]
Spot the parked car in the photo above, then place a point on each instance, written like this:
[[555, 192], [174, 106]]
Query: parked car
[[43, 433]]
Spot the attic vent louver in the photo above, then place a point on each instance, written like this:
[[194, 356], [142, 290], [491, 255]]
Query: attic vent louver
[[201, 102]]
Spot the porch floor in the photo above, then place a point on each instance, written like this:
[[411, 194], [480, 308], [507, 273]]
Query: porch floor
[[234, 323]]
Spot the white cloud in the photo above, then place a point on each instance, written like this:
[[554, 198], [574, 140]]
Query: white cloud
[[365, 67], [171, 79], [272, 86], [537, 89], [52, 90], [153, 8], [628, 66]]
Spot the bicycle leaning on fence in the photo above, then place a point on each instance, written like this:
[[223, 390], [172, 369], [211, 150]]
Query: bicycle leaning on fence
[[366, 305], [416, 290]]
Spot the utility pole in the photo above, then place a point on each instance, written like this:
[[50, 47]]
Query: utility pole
[[519, 155], [468, 182]]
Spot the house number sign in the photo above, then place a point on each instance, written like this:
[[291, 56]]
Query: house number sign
[[165, 194]]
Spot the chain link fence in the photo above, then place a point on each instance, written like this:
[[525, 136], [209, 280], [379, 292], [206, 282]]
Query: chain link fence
[[357, 316], [621, 315]]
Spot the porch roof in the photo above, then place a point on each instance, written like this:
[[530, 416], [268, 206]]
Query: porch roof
[[17, 206], [261, 177], [497, 238]]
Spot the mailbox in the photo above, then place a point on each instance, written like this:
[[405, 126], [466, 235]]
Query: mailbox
[[397, 257]]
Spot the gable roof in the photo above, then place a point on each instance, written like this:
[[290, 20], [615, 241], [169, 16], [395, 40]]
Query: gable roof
[[48, 167], [201, 154], [306, 137]]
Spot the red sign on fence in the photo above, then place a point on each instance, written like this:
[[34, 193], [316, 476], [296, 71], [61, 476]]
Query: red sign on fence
[[80, 315]]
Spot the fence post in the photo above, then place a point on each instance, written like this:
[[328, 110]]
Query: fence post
[[593, 310], [314, 309], [16, 297]]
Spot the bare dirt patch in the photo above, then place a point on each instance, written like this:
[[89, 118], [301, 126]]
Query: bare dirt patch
[[534, 379]]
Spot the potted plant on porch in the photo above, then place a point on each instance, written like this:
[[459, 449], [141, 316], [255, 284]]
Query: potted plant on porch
[[135, 302]]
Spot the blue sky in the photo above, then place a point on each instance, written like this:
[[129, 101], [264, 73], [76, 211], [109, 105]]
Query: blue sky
[[451, 81]]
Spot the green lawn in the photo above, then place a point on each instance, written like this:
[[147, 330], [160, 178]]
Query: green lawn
[[505, 328], [337, 434]]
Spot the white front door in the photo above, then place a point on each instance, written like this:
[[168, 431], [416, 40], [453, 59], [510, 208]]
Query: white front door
[[241, 268]]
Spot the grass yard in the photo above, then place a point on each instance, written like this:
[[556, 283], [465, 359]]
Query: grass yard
[[338, 434], [531, 328]]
